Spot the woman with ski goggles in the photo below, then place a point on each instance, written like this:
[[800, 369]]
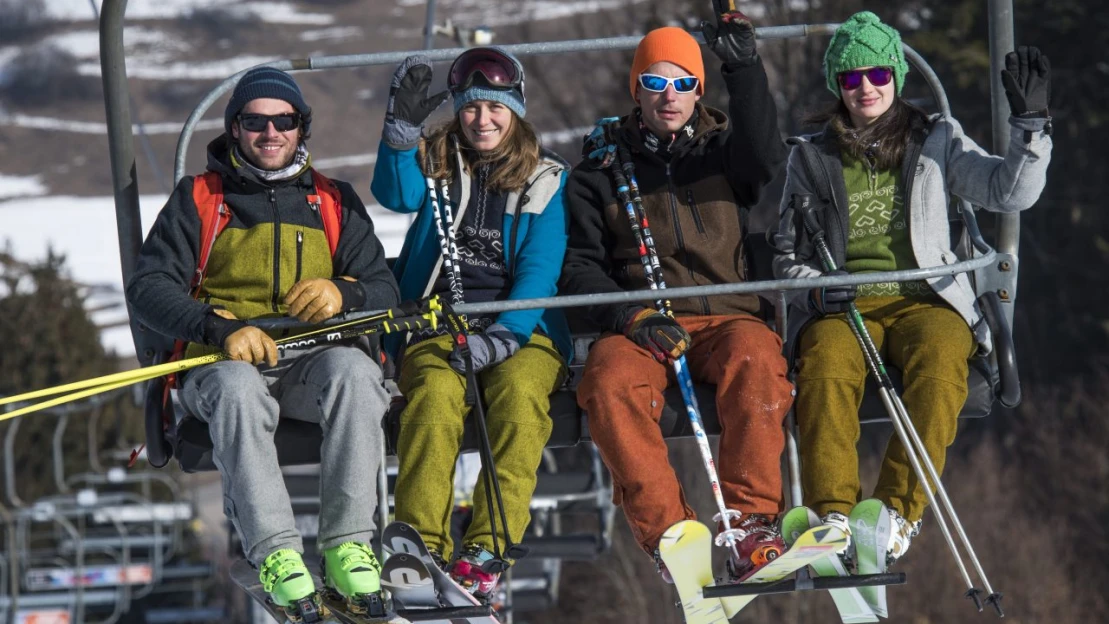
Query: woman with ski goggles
[[881, 176], [490, 225]]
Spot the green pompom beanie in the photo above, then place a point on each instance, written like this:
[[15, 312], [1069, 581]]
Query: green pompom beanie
[[864, 41]]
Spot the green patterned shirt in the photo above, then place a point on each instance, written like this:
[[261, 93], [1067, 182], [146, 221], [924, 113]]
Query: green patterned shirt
[[878, 235]]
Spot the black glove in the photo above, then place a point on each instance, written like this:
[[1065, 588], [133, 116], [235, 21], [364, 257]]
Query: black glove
[[493, 346], [409, 103], [832, 299], [599, 146], [732, 38], [657, 333], [1027, 81]]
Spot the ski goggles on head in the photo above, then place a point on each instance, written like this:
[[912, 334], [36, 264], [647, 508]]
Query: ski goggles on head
[[493, 68], [878, 76], [658, 84], [254, 122]]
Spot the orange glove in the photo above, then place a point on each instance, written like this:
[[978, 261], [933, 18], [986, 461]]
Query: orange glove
[[251, 344], [314, 300]]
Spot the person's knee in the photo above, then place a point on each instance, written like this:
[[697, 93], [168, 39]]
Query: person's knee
[[226, 385], [347, 365]]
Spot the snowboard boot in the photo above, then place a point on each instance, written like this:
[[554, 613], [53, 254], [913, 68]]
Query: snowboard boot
[[758, 542], [290, 586], [902, 533], [660, 567], [352, 571], [841, 522], [467, 572]]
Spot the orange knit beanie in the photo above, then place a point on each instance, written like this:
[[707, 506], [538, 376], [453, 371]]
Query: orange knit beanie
[[668, 44]]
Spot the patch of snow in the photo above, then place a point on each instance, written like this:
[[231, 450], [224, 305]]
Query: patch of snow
[[95, 127], [273, 12], [20, 186], [337, 33], [151, 69]]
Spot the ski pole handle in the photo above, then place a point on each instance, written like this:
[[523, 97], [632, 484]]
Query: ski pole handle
[[802, 202]]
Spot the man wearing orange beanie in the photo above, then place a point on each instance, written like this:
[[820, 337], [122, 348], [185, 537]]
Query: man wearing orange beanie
[[699, 171]]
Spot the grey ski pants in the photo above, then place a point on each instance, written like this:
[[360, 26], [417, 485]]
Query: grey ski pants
[[340, 388]]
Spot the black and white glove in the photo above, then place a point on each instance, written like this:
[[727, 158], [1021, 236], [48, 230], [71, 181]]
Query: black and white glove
[[409, 103], [1027, 81], [832, 299], [732, 38], [495, 345]]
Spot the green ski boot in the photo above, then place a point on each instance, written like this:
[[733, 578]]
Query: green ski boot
[[289, 585], [351, 570]]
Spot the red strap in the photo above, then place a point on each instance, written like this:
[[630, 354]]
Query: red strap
[[208, 197], [330, 203]]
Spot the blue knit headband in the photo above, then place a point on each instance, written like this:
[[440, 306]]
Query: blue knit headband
[[511, 98]]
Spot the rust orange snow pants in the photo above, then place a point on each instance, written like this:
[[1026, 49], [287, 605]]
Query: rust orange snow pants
[[621, 391]]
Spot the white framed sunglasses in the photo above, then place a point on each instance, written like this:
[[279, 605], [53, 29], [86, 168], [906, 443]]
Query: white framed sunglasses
[[658, 84]]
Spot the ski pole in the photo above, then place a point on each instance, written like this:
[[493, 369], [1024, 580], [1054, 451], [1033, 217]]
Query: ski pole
[[388, 321], [457, 325], [899, 416], [623, 172]]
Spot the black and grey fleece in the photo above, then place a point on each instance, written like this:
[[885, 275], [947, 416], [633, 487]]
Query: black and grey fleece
[[274, 239]]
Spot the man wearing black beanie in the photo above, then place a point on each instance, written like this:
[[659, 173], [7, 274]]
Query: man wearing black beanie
[[262, 234]]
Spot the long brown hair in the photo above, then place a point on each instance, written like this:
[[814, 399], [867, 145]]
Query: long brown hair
[[514, 160], [886, 138]]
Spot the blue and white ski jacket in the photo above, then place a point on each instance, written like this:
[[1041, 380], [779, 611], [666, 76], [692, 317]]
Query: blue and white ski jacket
[[534, 232]]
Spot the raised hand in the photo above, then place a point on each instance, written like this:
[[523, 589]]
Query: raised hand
[[1027, 82], [731, 38], [409, 102]]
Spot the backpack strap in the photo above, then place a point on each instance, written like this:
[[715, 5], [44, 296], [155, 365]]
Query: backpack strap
[[328, 201], [214, 217]]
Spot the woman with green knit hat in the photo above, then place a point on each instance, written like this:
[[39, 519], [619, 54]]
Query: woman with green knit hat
[[882, 174]]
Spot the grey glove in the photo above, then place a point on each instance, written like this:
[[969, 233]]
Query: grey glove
[[409, 103], [487, 349]]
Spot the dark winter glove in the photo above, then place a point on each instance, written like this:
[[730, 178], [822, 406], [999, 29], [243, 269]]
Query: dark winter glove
[[657, 333], [832, 299], [1027, 81], [409, 103], [732, 38], [599, 147], [489, 348]]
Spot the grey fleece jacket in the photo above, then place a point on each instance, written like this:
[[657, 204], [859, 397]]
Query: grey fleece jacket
[[942, 161]]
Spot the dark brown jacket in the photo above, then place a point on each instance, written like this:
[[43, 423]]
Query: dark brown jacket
[[695, 204]]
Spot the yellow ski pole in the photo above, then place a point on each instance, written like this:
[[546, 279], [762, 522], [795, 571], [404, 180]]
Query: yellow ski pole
[[106, 383], [69, 397], [149, 372]]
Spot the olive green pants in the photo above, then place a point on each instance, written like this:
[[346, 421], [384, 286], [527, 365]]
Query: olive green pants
[[517, 399], [930, 343]]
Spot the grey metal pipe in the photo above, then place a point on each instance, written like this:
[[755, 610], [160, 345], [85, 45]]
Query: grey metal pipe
[[429, 26], [1002, 41], [759, 287], [120, 140], [446, 54]]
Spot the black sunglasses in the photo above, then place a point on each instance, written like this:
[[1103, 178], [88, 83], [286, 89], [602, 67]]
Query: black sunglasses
[[254, 122]]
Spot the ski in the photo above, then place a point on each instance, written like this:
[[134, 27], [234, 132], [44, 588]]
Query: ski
[[870, 528], [409, 582], [400, 538], [812, 545], [312, 609], [853, 609], [686, 549]]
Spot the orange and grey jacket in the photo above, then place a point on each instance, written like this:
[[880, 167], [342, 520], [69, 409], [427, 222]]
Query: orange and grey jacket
[[274, 239]]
